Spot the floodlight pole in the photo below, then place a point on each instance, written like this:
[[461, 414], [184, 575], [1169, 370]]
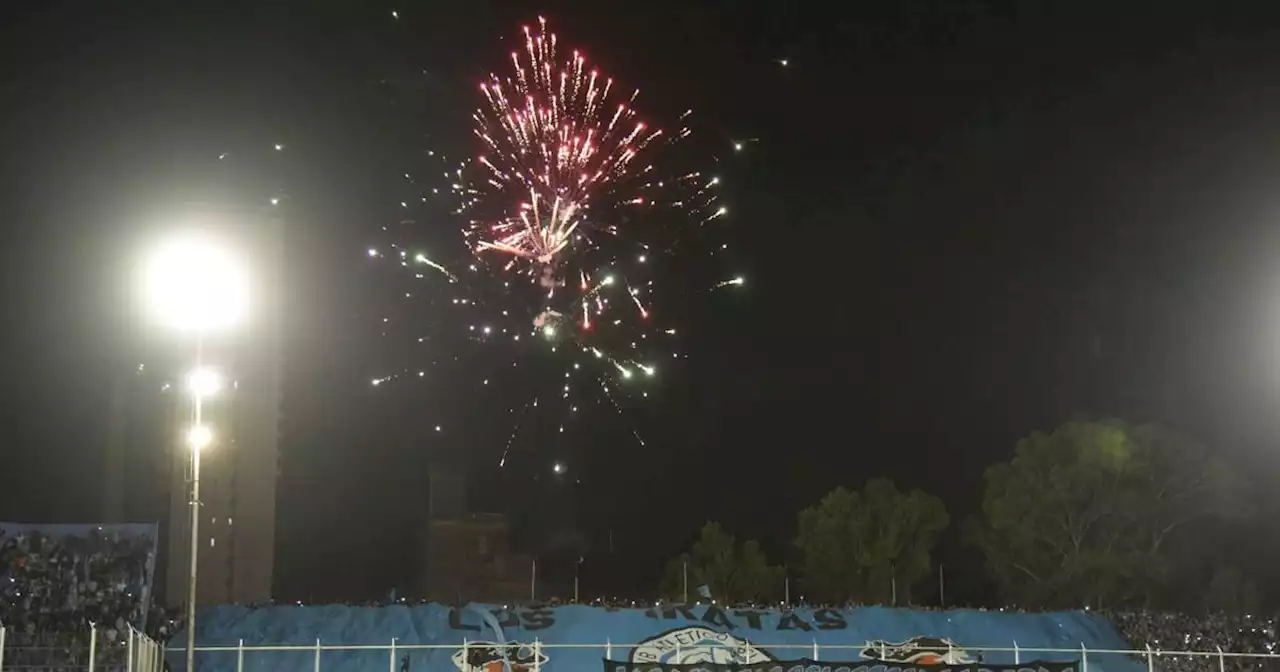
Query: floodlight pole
[[195, 512]]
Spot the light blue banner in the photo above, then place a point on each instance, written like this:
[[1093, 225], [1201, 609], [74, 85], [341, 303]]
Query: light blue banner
[[486, 638]]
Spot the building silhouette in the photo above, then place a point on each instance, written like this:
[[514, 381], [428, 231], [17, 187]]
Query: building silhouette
[[466, 556]]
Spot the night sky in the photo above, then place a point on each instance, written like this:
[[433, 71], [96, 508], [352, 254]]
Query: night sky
[[959, 224]]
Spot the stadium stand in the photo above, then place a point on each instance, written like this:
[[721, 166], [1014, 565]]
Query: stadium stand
[[56, 581]]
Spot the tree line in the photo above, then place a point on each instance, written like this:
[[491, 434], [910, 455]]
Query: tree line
[[1100, 514]]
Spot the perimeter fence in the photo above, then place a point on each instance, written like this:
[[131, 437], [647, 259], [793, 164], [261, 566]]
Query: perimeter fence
[[97, 649], [532, 656]]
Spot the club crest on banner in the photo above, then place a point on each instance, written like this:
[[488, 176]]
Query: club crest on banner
[[498, 657], [918, 651], [697, 645]]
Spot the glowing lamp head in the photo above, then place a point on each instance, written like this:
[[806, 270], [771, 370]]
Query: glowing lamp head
[[204, 382], [194, 284], [558, 468], [199, 437]]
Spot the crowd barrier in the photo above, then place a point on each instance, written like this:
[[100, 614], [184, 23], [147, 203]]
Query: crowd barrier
[[534, 657], [483, 638], [674, 638], [22, 652]]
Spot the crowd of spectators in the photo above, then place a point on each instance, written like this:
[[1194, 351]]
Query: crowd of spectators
[[1247, 641], [58, 584], [54, 585], [1178, 642], [1234, 635]]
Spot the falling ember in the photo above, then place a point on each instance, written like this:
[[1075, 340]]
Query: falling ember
[[635, 298], [422, 259]]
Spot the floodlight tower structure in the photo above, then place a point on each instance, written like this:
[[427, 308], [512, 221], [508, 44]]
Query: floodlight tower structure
[[219, 281]]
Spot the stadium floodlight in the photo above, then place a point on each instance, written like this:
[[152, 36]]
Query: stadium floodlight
[[200, 437], [194, 283], [204, 382]]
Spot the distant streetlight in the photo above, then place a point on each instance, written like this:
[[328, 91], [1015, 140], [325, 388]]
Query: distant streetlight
[[196, 285]]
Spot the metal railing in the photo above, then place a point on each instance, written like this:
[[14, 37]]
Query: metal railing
[[91, 651], [138, 653], [535, 654]]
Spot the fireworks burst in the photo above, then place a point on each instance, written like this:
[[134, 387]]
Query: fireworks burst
[[577, 216], [562, 159], [552, 145]]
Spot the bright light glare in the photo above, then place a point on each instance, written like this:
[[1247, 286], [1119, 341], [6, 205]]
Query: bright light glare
[[204, 382], [200, 436], [558, 467], [194, 284]]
